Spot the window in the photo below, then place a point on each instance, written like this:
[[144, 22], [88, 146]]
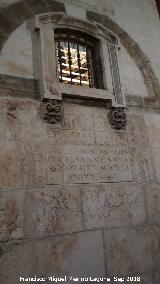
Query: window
[[158, 6], [78, 59]]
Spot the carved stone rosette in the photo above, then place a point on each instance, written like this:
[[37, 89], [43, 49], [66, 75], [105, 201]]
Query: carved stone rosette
[[51, 111], [118, 118]]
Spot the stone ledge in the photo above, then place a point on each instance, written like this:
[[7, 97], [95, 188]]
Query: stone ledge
[[16, 93], [151, 102], [143, 102], [13, 83], [134, 101]]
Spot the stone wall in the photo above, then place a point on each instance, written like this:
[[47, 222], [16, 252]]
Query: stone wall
[[81, 199]]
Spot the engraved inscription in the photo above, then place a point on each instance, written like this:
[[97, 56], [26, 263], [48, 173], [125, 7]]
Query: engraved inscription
[[54, 211], [91, 164]]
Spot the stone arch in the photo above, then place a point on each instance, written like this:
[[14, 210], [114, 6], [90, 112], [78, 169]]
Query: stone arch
[[15, 14], [133, 49]]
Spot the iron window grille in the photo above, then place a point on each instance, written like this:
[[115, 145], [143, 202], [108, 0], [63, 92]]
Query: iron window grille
[[78, 60]]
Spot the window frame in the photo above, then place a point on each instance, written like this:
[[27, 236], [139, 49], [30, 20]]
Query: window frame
[[93, 62], [50, 86]]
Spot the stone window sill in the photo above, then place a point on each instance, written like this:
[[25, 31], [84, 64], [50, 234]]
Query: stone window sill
[[86, 93]]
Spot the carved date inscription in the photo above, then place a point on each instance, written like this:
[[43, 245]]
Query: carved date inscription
[[96, 164]]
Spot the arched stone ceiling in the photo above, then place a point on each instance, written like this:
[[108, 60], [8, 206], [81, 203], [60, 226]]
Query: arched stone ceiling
[[15, 14]]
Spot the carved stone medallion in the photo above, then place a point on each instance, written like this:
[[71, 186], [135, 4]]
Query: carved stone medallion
[[51, 111], [117, 117]]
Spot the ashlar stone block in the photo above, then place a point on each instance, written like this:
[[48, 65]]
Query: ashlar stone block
[[77, 117], [142, 163], [156, 155], [74, 255], [129, 250], [147, 278], [53, 211], [70, 137], [157, 277], [113, 205], [99, 163], [2, 120], [11, 215], [100, 118], [23, 121], [155, 232], [136, 128], [114, 138], [21, 165], [54, 164], [152, 119], [153, 202], [15, 263]]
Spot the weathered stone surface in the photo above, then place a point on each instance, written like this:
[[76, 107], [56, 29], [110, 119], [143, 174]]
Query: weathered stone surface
[[37, 7], [2, 120], [2, 39], [153, 202], [92, 164], [17, 83], [156, 155], [55, 6], [152, 102], [142, 163], [152, 118], [54, 164], [73, 255], [52, 211], [17, 12], [134, 88], [113, 205], [23, 120], [6, 25], [75, 11], [100, 118], [77, 117], [15, 263], [11, 215], [128, 250], [21, 165], [136, 128], [70, 136], [114, 138], [147, 278], [155, 232], [5, 3], [132, 48], [16, 93], [134, 101], [157, 277], [76, 255], [16, 60]]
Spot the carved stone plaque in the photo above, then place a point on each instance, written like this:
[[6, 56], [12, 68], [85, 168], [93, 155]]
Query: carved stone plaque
[[96, 164]]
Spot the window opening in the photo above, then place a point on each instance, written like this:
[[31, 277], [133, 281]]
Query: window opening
[[75, 58]]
